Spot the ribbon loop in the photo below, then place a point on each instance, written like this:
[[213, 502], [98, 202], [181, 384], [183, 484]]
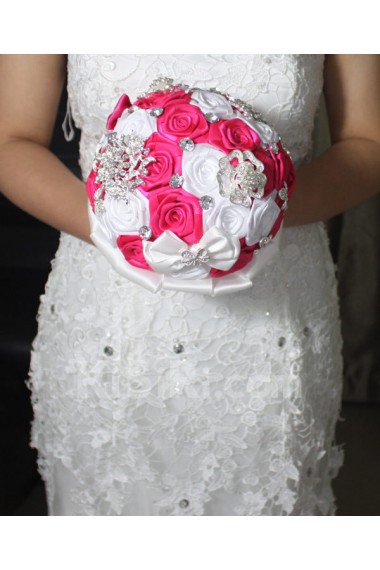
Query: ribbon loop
[[169, 254]]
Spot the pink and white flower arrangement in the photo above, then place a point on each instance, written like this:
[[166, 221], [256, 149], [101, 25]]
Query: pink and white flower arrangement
[[188, 190]]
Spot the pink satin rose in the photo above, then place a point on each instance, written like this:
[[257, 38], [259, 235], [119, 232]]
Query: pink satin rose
[[233, 134], [132, 249], [177, 211], [278, 168], [246, 254], [91, 188], [123, 103], [161, 99], [168, 161], [182, 120]]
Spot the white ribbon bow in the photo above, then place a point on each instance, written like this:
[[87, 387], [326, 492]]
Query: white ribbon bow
[[165, 254]]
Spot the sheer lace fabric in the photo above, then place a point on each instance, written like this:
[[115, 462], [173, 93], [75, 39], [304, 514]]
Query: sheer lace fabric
[[177, 403]]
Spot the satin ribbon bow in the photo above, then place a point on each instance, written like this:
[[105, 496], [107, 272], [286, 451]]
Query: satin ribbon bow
[[168, 253]]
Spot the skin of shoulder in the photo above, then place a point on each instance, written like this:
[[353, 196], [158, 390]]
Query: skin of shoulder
[[31, 87], [352, 93]]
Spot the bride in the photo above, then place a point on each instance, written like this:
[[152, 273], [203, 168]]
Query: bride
[[176, 403]]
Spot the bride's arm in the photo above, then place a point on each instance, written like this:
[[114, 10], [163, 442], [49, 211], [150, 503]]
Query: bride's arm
[[30, 175], [348, 173]]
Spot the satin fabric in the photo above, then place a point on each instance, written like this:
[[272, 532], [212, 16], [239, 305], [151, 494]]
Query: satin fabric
[[237, 281]]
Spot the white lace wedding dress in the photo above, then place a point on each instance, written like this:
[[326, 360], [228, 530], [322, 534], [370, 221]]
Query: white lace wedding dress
[[178, 403]]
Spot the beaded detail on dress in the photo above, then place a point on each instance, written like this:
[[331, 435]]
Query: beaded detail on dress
[[178, 403]]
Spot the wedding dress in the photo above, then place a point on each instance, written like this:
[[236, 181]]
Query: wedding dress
[[177, 403]]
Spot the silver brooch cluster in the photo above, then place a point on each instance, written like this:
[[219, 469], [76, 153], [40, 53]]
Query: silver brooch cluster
[[244, 180], [167, 84], [190, 258], [118, 164]]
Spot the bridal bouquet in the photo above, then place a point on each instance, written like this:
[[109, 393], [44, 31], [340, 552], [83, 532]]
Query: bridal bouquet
[[188, 190]]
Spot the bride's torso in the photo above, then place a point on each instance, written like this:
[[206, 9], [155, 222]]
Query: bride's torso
[[286, 90], [131, 376], [104, 309]]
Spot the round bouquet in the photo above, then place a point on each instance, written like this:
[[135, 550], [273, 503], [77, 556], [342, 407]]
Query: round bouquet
[[188, 190]]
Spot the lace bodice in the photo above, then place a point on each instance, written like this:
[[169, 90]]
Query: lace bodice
[[285, 88], [177, 403]]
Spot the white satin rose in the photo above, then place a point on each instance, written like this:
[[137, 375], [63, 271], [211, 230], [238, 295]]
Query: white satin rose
[[141, 122], [121, 218], [212, 103], [199, 169], [232, 218], [262, 217], [266, 133]]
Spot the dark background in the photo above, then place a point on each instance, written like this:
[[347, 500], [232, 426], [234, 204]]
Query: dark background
[[27, 249]]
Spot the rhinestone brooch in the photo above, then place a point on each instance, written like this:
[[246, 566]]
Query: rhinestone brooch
[[156, 112], [206, 202], [211, 117], [244, 180], [190, 258], [118, 165], [283, 193], [176, 181], [265, 241], [145, 232], [187, 144]]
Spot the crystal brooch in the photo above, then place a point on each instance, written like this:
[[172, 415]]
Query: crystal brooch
[[206, 202], [176, 181], [145, 232], [187, 144]]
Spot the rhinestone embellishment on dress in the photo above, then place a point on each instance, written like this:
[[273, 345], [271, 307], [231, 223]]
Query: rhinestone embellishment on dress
[[178, 347]]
